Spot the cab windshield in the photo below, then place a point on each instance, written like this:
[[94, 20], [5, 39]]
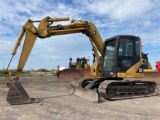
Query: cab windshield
[[109, 55]]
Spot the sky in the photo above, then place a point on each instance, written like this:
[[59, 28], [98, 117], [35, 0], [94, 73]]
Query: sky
[[111, 17]]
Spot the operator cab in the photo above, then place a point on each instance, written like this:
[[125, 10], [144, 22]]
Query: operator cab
[[121, 57], [82, 62]]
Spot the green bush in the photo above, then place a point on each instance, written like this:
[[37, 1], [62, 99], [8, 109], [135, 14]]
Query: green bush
[[24, 73], [1, 73]]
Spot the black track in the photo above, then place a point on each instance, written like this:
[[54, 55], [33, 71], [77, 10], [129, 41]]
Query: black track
[[120, 89], [130, 89]]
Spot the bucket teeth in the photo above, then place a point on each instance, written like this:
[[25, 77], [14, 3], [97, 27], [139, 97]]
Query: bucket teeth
[[91, 95], [17, 94]]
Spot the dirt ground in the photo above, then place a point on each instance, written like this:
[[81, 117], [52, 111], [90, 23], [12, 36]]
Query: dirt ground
[[56, 103]]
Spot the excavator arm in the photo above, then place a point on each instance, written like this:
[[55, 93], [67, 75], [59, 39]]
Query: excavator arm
[[29, 41], [45, 30], [17, 94]]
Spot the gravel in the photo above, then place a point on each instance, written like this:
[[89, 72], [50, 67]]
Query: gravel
[[56, 103]]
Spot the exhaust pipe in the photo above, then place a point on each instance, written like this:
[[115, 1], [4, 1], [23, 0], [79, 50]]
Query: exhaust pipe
[[17, 94]]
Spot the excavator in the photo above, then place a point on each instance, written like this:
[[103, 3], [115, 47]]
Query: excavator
[[75, 69], [116, 58]]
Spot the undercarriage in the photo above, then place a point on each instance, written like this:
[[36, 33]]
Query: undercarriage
[[116, 89]]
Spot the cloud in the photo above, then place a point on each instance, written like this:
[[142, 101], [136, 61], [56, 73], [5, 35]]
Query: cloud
[[118, 9], [137, 17]]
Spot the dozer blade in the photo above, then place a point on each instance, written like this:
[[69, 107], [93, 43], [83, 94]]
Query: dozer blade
[[91, 95], [154, 76], [17, 94], [69, 74], [86, 73]]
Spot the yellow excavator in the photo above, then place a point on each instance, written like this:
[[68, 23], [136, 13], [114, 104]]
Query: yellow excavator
[[116, 58], [75, 69]]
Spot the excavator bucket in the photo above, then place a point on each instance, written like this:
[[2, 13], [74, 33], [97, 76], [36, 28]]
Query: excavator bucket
[[89, 94], [69, 74], [17, 94]]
